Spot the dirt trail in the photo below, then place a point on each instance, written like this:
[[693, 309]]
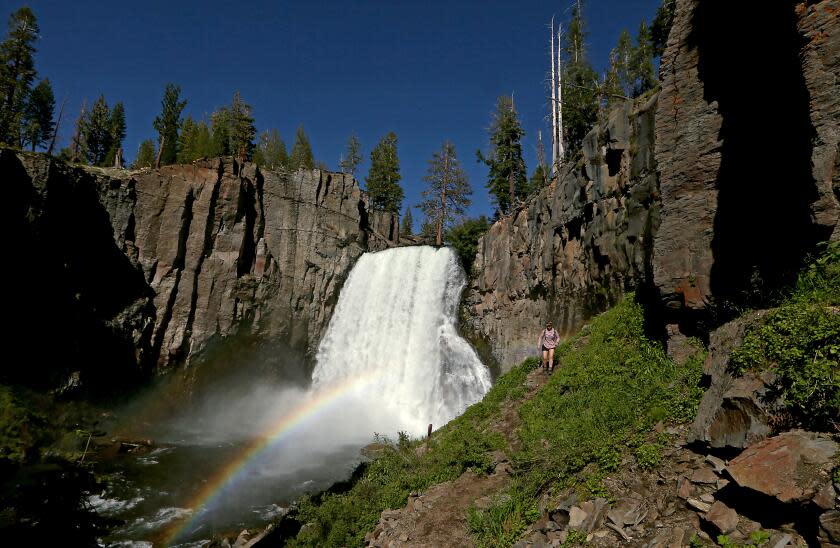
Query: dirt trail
[[438, 517]]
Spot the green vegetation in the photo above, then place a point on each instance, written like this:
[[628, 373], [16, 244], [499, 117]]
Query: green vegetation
[[612, 386], [447, 192], [301, 157], [507, 179], [168, 123], [464, 239], [757, 538], [800, 342], [407, 223], [343, 518], [352, 157], [383, 179]]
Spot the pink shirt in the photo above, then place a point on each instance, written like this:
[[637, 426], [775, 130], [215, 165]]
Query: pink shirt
[[549, 339]]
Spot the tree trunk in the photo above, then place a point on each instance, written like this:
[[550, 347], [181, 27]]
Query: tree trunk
[[160, 151], [559, 105], [554, 161]]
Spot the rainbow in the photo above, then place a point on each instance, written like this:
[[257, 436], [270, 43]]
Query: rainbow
[[229, 473]]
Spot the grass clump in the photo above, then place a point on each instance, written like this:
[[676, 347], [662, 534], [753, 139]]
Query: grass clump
[[612, 385], [800, 342]]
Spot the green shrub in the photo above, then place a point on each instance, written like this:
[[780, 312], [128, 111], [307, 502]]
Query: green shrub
[[648, 456], [800, 342]]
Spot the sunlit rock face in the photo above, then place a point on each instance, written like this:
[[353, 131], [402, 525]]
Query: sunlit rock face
[[576, 247], [136, 271]]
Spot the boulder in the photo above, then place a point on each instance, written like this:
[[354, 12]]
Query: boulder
[[734, 412], [830, 525], [722, 517], [792, 467]]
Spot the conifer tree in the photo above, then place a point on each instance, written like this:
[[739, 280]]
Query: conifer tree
[[116, 133], [220, 132], [241, 129], [464, 239], [661, 26], [507, 180], [168, 122], [580, 84], [271, 151], [301, 157], [17, 71], [407, 227], [539, 179], [622, 63], [447, 192], [383, 179], [352, 156], [146, 155], [194, 141], [643, 75], [96, 129], [38, 115]]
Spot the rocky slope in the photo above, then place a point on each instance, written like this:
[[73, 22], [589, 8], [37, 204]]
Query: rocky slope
[[134, 271], [696, 197]]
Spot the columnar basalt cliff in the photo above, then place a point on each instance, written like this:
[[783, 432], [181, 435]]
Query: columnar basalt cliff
[[701, 196], [576, 247], [141, 270], [747, 189]]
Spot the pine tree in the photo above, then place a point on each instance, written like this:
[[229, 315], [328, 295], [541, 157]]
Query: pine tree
[[78, 147], [407, 222], [241, 129], [383, 179], [168, 122], [447, 194], [146, 155], [116, 133], [643, 75], [17, 71], [271, 151], [38, 115], [507, 180], [96, 130], [622, 63], [220, 132], [194, 141], [301, 157], [611, 88], [580, 84], [539, 179], [352, 156]]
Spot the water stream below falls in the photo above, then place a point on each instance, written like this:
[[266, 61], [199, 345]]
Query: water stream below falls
[[390, 360]]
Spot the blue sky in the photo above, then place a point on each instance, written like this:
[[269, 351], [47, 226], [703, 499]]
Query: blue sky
[[427, 70]]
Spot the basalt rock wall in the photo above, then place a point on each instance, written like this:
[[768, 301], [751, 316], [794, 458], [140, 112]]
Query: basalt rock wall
[[574, 248], [123, 273], [705, 198]]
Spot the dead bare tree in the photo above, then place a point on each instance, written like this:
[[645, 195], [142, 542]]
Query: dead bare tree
[[160, 150], [57, 125]]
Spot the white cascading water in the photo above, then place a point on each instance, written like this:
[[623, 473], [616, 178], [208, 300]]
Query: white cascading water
[[394, 327]]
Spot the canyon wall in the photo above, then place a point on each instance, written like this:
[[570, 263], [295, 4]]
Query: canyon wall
[[704, 199], [576, 246], [136, 271]]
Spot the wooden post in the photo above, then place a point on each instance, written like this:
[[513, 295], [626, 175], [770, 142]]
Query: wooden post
[[429, 434]]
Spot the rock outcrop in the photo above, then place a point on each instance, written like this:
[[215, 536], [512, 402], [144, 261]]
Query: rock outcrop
[[164, 262], [576, 247]]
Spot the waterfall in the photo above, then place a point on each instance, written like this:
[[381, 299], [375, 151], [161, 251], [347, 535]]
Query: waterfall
[[395, 324]]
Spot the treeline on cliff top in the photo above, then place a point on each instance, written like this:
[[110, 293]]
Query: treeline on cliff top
[[28, 119]]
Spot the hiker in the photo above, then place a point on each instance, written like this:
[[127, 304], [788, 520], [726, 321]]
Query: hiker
[[548, 341]]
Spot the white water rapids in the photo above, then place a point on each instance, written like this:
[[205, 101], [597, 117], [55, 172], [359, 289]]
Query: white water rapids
[[394, 327]]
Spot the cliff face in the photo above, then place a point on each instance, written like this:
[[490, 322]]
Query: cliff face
[[576, 247], [747, 132], [149, 267], [702, 197]]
